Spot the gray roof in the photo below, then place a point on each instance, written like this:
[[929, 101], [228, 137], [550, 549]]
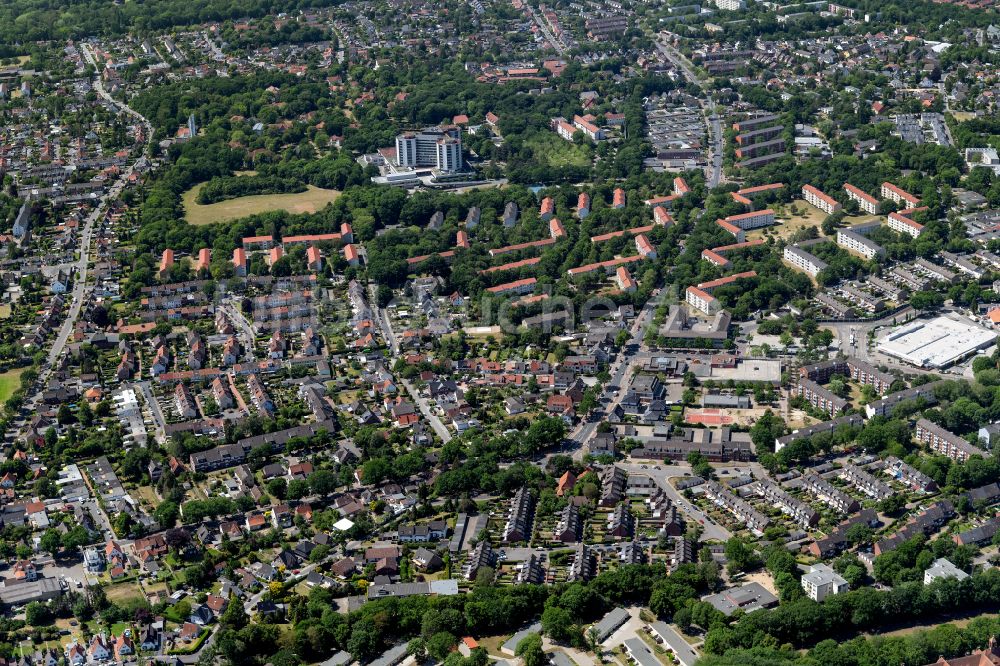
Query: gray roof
[[36, 590], [392, 656], [821, 574], [641, 653], [610, 622], [340, 659], [560, 659], [510, 646], [943, 568], [749, 597], [685, 654]]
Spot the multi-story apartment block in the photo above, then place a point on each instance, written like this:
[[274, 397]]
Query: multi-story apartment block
[[702, 300], [861, 371], [752, 220], [849, 420], [585, 124], [820, 397], [904, 225], [438, 147], [803, 260], [866, 202], [518, 287], [821, 582], [885, 406], [899, 195], [820, 200], [854, 239], [946, 443]]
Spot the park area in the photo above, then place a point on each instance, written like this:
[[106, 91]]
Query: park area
[[310, 201], [798, 215]]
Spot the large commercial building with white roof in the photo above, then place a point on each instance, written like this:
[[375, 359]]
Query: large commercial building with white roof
[[937, 343]]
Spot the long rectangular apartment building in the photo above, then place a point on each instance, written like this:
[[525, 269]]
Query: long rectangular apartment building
[[764, 134], [754, 122], [866, 202], [820, 397], [752, 220], [803, 260], [774, 146], [946, 443], [847, 421], [885, 406], [852, 240], [702, 300], [861, 371], [759, 161], [820, 200], [899, 195], [904, 225]]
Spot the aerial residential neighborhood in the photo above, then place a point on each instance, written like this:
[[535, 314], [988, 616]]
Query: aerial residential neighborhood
[[499, 332]]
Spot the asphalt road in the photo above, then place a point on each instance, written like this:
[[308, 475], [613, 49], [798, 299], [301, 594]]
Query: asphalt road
[[540, 22], [244, 331], [662, 474], [425, 408], [625, 360], [154, 409], [421, 402], [383, 321]]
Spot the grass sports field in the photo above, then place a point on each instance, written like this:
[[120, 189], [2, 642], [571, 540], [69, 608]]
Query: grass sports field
[[310, 201]]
